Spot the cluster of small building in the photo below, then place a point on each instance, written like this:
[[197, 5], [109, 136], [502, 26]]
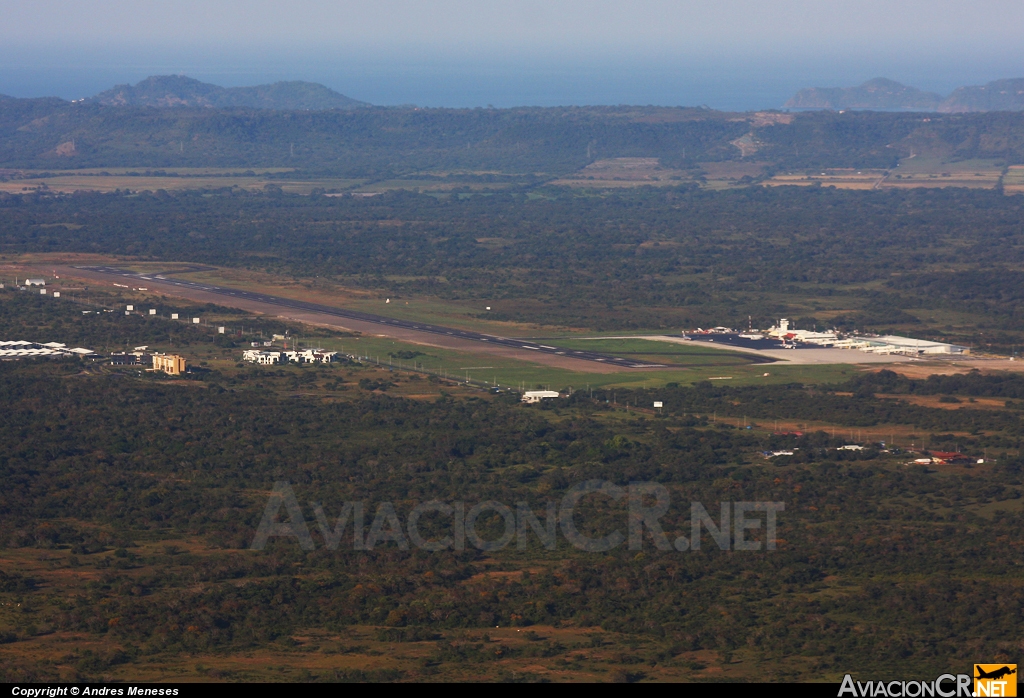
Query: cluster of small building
[[306, 356], [26, 350], [887, 344]]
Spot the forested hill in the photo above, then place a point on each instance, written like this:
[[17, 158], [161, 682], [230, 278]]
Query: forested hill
[[889, 95], [873, 94], [182, 91], [372, 141], [1005, 95]]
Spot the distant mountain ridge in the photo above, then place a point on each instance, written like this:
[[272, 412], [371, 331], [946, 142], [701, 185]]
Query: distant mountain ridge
[[181, 91], [879, 93], [889, 95], [1000, 95]]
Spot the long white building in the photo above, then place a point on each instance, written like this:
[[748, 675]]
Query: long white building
[[20, 349], [894, 344]]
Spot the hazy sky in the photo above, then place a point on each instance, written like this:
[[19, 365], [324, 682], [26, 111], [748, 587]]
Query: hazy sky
[[535, 48], [571, 25]]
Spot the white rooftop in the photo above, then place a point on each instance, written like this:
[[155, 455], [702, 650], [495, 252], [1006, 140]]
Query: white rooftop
[[19, 348], [910, 342]]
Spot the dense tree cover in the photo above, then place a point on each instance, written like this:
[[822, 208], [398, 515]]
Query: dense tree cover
[[389, 141], [864, 139], [98, 464], [639, 259], [366, 142], [882, 564], [973, 384], [93, 462], [854, 404]]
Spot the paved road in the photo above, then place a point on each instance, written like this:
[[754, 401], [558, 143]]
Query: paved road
[[465, 335]]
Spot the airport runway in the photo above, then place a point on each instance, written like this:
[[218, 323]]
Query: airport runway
[[408, 330]]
